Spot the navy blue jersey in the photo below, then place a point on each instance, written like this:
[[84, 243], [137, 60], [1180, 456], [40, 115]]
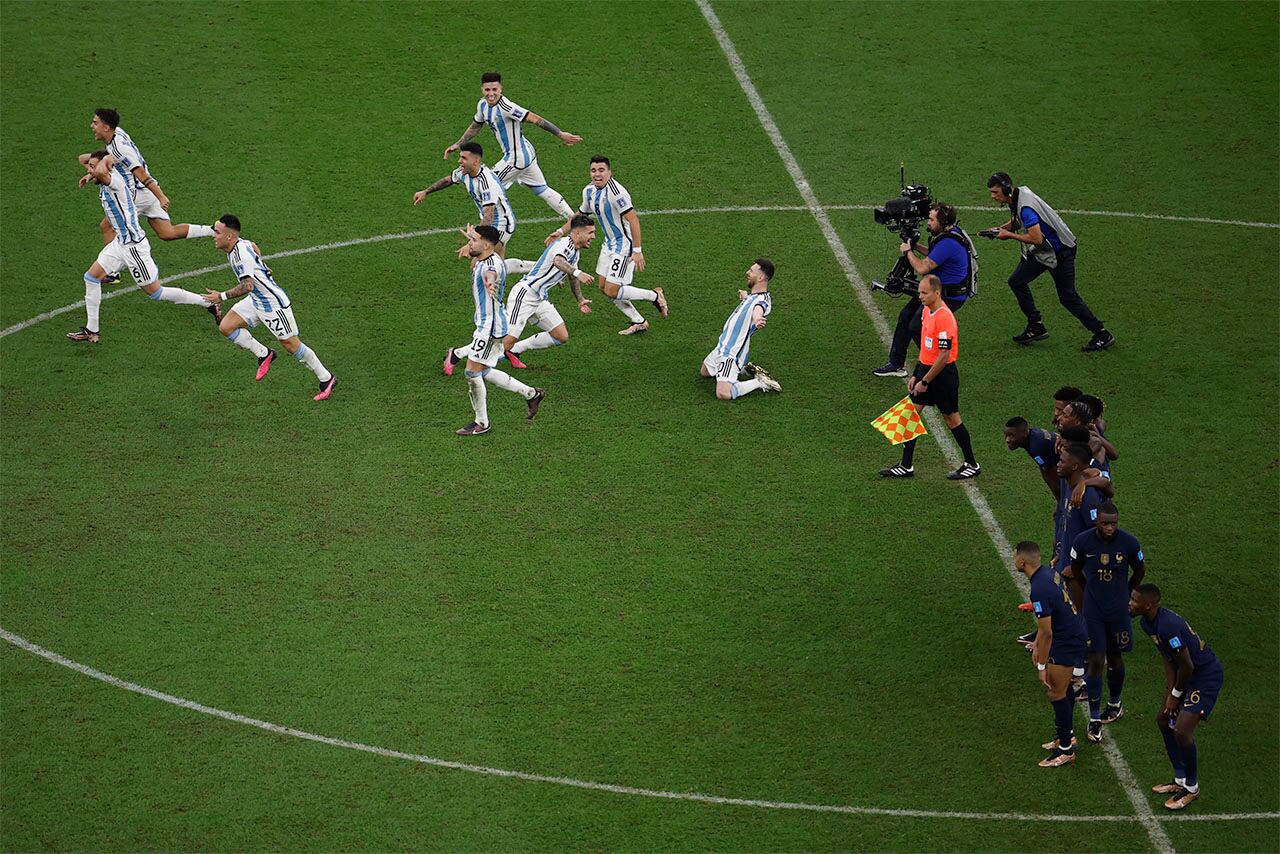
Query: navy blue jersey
[[1049, 598], [1070, 522], [1040, 448], [1171, 634], [1105, 567]]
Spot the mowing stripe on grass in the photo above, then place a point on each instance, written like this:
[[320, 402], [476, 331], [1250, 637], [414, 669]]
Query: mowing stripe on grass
[[86, 670], [430, 232], [1137, 797]]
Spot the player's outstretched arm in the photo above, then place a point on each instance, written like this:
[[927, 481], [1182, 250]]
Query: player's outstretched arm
[[758, 320], [637, 254], [438, 185], [546, 124], [467, 135]]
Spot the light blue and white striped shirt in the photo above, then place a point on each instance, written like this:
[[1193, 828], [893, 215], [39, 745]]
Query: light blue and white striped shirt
[[122, 213], [128, 157], [545, 275], [735, 338], [491, 314], [607, 204], [506, 121], [267, 296], [486, 189]]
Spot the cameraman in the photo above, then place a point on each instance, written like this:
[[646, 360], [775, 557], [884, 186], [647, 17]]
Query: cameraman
[[949, 258]]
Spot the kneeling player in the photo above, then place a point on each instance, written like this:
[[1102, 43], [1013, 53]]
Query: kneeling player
[[266, 303], [728, 360], [530, 298]]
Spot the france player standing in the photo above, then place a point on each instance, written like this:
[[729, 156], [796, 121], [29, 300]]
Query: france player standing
[[1070, 519], [1039, 447], [620, 253], [727, 361], [265, 302], [519, 161], [488, 280], [530, 299], [128, 247], [1060, 647], [1193, 681], [1110, 563]]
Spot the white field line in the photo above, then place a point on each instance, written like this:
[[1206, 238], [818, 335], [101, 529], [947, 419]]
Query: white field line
[[1137, 797], [84, 669], [360, 241]]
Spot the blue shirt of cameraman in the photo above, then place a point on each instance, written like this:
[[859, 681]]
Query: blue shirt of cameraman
[[953, 263], [1029, 218]]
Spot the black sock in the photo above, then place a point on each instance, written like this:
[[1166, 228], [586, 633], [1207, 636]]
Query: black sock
[[1063, 711], [961, 433], [908, 453]]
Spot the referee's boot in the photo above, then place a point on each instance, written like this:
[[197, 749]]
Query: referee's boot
[[1034, 332], [967, 471], [898, 471]]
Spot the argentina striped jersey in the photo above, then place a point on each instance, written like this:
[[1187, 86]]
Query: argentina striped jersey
[[128, 157], [738, 329], [545, 275], [491, 314], [486, 189], [122, 213], [267, 296], [506, 119], [607, 204]]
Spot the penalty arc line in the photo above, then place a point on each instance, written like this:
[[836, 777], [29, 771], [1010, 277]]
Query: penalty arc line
[[430, 232], [999, 538], [612, 788]]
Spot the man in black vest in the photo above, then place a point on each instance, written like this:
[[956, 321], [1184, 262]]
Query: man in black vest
[[950, 258]]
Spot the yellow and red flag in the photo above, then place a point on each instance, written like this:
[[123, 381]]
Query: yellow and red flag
[[900, 422]]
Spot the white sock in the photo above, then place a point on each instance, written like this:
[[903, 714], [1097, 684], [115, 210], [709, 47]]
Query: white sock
[[179, 296], [541, 341], [242, 338], [508, 383], [194, 231], [628, 292], [92, 301], [308, 357], [745, 387], [519, 267], [479, 397], [629, 310], [556, 202]]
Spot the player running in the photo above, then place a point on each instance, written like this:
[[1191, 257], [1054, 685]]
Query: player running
[[485, 190], [519, 162], [530, 299], [128, 247], [1193, 676], [488, 281], [620, 253], [1110, 562], [729, 359], [265, 302]]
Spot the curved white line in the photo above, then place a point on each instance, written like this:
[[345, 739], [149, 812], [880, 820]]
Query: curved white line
[[84, 669], [360, 241]]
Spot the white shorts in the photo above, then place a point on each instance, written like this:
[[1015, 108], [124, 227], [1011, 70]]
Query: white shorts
[[148, 205], [135, 256], [523, 305], [615, 268], [530, 176], [726, 369], [280, 322], [484, 349]]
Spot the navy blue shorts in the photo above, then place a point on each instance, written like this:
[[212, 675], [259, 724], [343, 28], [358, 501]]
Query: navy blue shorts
[[1108, 634], [1068, 654], [1202, 693]]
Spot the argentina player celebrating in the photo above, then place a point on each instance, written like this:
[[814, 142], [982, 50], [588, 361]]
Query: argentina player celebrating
[[727, 361], [519, 161], [265, 302], [485, 190], [128, 248], [530, 298]]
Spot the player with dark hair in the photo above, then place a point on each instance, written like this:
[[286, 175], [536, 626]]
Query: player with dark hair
[[729, 358], [1038, 444], [1110, 563], [1193, 680], [1059, 647], [1070, 520]]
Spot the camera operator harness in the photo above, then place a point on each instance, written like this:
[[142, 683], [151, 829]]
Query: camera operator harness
[[903, 216]]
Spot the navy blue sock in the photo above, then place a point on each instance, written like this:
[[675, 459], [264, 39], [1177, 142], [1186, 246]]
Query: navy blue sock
[[1093, 684], [1115, 683], [1062, 711], [1175, 752], [1189, 762], [908, 452]]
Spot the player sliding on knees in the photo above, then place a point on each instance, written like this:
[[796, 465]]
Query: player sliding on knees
[[265, 302], [620, 253], [519, 161], [128, 247], [488, 280], [530, 299], [729, 359]]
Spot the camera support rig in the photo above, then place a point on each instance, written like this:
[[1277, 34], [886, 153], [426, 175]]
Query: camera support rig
[[903, 216]]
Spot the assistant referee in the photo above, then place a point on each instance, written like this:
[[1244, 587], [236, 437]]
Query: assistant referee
[[936, 380]]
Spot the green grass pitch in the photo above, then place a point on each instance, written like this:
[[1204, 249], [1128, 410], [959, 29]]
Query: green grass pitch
[[645, 587]]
